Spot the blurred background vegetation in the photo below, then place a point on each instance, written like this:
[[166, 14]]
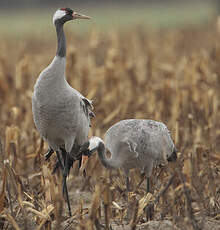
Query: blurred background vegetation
[[34, 16]]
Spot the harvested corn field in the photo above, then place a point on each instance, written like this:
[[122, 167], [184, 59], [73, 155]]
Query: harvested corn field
[[168, 75]]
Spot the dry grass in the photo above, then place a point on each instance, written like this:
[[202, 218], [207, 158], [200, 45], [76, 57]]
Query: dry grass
[[170, 76]]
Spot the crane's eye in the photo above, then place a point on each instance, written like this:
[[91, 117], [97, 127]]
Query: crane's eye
[[69, 11]]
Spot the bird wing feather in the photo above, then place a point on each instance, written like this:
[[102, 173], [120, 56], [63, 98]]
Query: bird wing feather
[[87, 108], [86, 103], [131, 147], [83, 120]]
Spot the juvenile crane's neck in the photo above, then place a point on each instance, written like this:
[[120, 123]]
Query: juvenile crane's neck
[[108, 163], [61, 40]]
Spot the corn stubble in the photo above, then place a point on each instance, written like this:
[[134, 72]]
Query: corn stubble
[[170, 76]]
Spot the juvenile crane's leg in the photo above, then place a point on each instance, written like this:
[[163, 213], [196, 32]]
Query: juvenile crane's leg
[[148, 170], [148, 184], [129, 213], [127, 184], [149, 212], [126, 173]]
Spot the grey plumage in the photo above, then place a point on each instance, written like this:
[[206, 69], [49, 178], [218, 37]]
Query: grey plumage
[[139, 144], [135, 143], [61, 114]]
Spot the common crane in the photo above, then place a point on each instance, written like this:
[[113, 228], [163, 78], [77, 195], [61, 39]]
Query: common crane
[[61, 113], [134, 143]]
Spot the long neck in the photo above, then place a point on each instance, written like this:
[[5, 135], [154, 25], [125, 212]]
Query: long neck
[[61, 40], [108, 163]]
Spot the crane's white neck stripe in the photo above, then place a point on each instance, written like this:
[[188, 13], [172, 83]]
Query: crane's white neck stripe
[[58, 15]]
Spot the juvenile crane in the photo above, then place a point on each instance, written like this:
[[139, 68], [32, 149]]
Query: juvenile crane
[[61, 114], [134, 143]]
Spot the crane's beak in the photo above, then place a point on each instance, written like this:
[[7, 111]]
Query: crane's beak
[[80, 16], [83, 163]]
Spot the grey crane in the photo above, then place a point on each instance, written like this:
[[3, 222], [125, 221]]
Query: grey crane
[[61, 114], [134, 143]]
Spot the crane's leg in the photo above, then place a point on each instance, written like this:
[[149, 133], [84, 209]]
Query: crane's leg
[[60, 162], [149, 211], [65, 164], [148, 184], [64, 167], [126, 173], [129, 209], [63, 153], [129, 213], [48, 154], [70, 159], [65, 190], [69, 155], [58, 165], [127, 183]]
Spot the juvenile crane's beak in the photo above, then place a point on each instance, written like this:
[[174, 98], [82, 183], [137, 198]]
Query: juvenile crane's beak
[[80, 16], [83, 163]]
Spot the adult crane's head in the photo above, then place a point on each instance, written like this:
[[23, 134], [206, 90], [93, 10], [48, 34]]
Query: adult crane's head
[[94, 143], [66, 14]]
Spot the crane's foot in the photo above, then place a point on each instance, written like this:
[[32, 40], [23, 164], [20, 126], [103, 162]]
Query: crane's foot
[[48, 154]]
